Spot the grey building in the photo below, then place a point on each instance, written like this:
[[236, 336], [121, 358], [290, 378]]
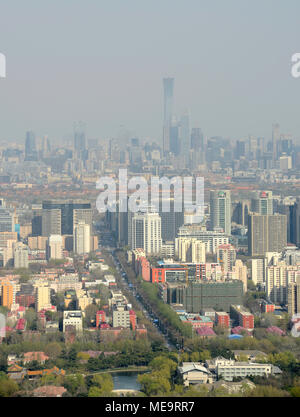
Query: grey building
[[266, 233]]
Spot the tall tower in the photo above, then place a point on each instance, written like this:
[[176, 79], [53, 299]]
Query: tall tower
[[30, 147], [275, 139], [168, 108], [185, 135], [220, 210], [79, 139], [262, 203]]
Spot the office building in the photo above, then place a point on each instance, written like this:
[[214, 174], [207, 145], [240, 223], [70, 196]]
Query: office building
[[266, 233], [79, 140], [212, 239], [168, 84], [146, 232], [54, 247], [198, 296], [6, 220], [61, 216], [82, 238], [262, 203], [220, 210], [21, 255], [30, 147], [295, 223], [42, 296]]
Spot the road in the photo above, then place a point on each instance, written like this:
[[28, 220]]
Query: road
[[128, 288]]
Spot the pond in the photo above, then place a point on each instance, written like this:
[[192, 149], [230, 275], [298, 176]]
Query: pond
[[126, 380]]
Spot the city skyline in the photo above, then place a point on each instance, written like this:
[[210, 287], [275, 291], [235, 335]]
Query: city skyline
[[237, 82]]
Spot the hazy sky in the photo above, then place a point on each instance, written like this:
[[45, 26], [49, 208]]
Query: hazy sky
[[103, 62]]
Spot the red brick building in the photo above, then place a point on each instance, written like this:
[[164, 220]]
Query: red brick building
[[222, 319], [100, 317]]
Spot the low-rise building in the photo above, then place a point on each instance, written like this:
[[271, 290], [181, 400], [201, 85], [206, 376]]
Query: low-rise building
[[195, 373]]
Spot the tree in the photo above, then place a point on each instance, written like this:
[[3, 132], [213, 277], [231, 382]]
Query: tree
[[195, 356], [94, 391], [53, 350], [295, 391], [103, 382], [7, 386], [154, 383], [74, 383], [267, 391], [90, 314], [204, 355], [31, 319]]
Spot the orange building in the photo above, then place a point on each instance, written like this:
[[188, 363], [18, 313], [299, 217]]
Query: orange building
[[7, 295], [132, 318]]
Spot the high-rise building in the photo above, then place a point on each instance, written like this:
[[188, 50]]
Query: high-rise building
[[258, 271], [294, 297], [220, 210], [146, 232], [21, 255], [197, 142], [275, 139], [79, 140], [61, 216], [175, 143], [7, 294], [42, 296], [185, 138], [168, 84], [171, 220], [30, 147], [212, 239], [240, 272], [278, 279], [262, 203], [266, 233], [82, 238], [54, 247], [226, 256], [295, 223], [6, 220], [190, 250]]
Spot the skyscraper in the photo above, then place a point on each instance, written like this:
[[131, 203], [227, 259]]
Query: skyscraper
[[168, 84], [275, 139], [220, 210], [6, 220], [185, 135], [197, 143], [146, 232], [295, 223], [262, 203], [82, 238], [30, 147], [61, 216], [266, 233], [79, 140]]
